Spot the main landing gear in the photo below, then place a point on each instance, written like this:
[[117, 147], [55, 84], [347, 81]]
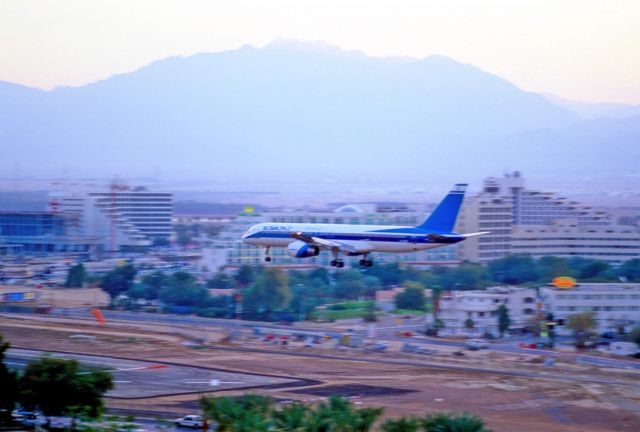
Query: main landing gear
[[365, 262], [336, 262], [267, 258]]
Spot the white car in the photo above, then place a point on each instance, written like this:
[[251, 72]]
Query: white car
[[474, 344], [192, 421]]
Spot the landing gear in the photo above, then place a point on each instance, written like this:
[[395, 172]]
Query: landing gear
[[336, 262], [365, 262], [267, 258]]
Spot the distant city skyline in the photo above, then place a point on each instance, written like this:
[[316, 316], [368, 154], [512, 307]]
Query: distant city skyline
[[583, 50]]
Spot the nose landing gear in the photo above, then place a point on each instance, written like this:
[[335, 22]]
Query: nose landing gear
[[267, 258]]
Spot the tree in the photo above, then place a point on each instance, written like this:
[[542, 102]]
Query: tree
[[183, 234], [247, 413], [220, 280], [118, 280], [513, 270], [630, 270], [504, 320], [349, 284], [465, 276], [291, 417], [154, 282], [76, 276], [634, 335], [450, 422], [339, 415], [389, 274], [245, 276], [370, 312], [596, 270], [582, 324], [8, 387], [550, 267], [402, 424], [55, 387], [534, 324], [469, 324], [411, 298], [267, 294], [181, 289]]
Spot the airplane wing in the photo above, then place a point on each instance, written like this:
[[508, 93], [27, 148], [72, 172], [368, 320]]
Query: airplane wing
[[352, 247]]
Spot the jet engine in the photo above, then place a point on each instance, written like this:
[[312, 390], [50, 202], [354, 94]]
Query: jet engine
[[300, 249]]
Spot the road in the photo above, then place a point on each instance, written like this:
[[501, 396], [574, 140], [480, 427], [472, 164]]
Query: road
[[383, 333]]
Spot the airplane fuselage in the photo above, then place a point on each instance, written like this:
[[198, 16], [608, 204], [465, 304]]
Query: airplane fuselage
[[304, 240], [365, 238]]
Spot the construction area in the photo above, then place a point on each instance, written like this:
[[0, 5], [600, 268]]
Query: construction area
[[178, 364]]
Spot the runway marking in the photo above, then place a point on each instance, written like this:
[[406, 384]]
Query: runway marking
[[121, 382], [214, 382], [61, 356], [130, 369], [400, 326]]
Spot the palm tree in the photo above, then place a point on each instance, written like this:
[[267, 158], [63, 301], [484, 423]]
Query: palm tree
[[340, 415], [402, 424], [247, 413], [291, 418], [451, 422]]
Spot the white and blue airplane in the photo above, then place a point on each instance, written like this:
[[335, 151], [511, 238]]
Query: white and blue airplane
[[304, 240]]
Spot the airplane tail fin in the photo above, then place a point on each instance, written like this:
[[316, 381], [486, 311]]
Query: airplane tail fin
[[443, 218]]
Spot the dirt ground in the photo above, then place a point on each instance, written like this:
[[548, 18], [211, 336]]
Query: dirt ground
[[547, 401]]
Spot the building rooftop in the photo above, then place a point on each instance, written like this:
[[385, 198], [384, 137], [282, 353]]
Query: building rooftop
[[597, 286]]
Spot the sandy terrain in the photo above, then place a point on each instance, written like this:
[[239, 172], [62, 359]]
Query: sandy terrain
[[567, 397]]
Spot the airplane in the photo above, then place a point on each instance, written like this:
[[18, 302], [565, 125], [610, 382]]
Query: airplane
[[304, 240]]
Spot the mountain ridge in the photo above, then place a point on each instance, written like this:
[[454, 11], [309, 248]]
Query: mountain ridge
[[260, 111]]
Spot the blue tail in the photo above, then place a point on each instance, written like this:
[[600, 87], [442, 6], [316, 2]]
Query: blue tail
[[443, 218]]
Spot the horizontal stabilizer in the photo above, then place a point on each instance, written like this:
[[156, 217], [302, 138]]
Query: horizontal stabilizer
[[475, 234]]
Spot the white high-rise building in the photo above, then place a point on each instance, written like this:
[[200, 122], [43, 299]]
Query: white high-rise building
[[567, 238], [522, 221], [123, 217]]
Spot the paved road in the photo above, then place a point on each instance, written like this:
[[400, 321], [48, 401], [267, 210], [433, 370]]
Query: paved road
[[188, 320], [385, 333], [138, 379]]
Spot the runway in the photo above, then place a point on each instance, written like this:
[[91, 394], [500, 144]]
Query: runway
[[135, 379]]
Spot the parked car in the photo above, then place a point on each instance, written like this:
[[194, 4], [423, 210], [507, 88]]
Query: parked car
[[192, 421], [475, 344], [608, 335]]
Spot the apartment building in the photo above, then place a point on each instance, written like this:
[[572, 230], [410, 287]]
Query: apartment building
[[481, 307], [614, 304]]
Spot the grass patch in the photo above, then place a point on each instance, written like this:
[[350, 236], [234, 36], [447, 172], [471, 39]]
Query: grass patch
[[408, 312], [349, 305], [332, 315]]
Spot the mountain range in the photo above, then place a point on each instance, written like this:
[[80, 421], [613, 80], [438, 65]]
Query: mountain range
[[292, 111]]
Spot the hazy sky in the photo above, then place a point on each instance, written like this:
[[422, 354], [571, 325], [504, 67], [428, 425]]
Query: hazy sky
[[579, 49]]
